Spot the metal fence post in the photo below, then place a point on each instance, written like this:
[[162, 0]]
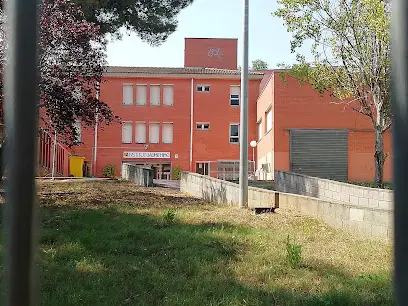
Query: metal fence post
[[21, 79], [400, 146]]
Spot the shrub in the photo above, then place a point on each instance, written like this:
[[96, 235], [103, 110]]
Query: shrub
[[176, 173], [293, 253], [109, 171], [169, 216]]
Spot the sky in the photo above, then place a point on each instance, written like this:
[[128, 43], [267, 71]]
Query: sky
[[268, 38]]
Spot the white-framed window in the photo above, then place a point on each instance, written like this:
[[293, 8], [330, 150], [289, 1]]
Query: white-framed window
[[141, 94], [167, 134], [140, 132], [268, 120], [154, 132], [126, 132], [235, 92], [202, 126], [155, 95], [203, 88], [260, 130], [168, 95], [234, 133], [127, 94], [78, 129]]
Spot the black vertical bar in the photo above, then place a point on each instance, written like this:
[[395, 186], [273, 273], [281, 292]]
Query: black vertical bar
[[21, 123], [400, 147]]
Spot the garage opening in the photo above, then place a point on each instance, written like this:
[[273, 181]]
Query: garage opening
[[321, 153]]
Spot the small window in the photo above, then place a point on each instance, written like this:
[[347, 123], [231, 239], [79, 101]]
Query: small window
[[260, 130], [168, 95], [127, 94], [234, 133], [268, 121], [234, 95], [140, 132], [154, 131], [203, 88], [141, 94], [155, 95], [167, 135], [203, 126], [126, 132]]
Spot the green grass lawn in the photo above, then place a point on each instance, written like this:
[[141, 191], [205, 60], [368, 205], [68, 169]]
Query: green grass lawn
[[109, 243]]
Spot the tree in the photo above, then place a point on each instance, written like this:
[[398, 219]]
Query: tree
[[152, 20], [259, 64], [351, 50], [71, 64]]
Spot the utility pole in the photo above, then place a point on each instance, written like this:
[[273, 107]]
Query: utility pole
[[96, 134], [243, 133]]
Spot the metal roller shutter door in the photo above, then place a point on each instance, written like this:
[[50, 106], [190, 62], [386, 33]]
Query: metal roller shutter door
[[320, 153]]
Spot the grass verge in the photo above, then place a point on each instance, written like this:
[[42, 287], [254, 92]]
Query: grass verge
[[112, 243]]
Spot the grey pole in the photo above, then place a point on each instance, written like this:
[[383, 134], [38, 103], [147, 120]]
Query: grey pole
[[243, 135], [21, 80], [399, 85]]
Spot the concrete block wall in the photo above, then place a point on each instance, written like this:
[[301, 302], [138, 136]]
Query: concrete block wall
[[369, 221], [353, 195], [223, 192], [140, 176]]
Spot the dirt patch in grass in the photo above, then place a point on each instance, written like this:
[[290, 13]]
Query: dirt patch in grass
[[106, 243]]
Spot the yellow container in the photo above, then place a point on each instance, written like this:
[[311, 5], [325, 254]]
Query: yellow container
[[76, 164]]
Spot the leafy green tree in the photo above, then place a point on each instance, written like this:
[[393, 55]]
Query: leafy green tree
[[351, 50], [259, 64], [152, 20]]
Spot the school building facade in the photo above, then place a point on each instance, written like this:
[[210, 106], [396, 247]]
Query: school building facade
[[188, 118]]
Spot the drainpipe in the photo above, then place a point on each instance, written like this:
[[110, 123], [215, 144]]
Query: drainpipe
[[96, 135], [54, 155], [191, 124]]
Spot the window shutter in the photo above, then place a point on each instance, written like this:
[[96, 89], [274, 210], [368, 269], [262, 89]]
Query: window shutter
[[235, 90], [127, 94], [127, 132], [269, 121], [154, 130], [141, 94], [168, 95], [155, 95], [140, 132], [168, 133]]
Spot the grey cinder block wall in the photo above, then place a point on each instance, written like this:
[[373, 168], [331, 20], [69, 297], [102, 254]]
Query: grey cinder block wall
[[324, 189], [374, 222]]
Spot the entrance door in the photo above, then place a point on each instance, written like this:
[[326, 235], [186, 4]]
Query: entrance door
[[202, 168]]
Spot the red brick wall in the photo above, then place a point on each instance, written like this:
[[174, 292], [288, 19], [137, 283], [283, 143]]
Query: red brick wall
[[299, 106], [211, 53], [212, 107]]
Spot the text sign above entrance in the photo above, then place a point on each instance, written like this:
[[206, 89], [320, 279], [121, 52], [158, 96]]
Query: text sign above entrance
[[146, 154]]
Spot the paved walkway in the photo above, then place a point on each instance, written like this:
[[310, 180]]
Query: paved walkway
[[167, 184]]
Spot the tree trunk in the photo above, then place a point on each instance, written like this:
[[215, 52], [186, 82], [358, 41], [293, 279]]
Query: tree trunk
[[379, 158]]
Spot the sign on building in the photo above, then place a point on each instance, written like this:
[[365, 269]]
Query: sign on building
[[146, 155]]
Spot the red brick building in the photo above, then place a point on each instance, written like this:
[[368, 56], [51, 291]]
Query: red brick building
[[189, 118], [175, 117], [301, 131]]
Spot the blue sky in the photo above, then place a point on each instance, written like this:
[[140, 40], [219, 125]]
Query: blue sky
[[268, 38]]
